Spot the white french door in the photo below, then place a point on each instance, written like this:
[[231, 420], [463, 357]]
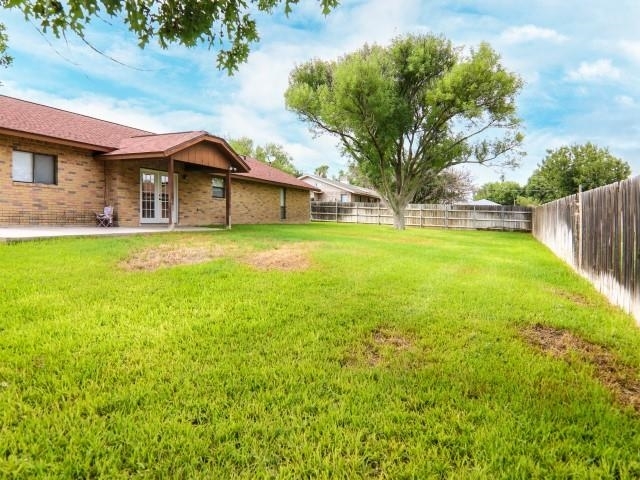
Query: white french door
[[154, 197]]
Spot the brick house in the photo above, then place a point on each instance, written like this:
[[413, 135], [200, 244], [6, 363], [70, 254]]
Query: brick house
[[58, 167], [326, 190]]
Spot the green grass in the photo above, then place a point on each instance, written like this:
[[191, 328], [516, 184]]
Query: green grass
[[219, 370]]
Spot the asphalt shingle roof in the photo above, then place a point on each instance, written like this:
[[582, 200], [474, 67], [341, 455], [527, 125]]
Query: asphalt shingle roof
[[263, 172], [154, 143], [33, 118]]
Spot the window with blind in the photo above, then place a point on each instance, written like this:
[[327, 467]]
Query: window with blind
[[32, 167], [217, 187]]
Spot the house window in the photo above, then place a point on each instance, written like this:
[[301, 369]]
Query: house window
[[283, 204], [33, 167], [344, 197], [217, 187]]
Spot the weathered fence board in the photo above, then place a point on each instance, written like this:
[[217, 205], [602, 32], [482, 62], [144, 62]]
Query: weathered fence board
[[477, 217], [597, 233]]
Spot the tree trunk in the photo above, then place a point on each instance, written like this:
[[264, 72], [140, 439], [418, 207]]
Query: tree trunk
[[398, 217]]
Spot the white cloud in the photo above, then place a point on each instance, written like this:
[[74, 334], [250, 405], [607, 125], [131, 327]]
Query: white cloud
[[631, 49], [527, 33], [624, 100], [601, 69]]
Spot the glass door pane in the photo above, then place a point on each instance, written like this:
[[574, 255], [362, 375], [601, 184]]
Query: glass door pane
[[148, 200], [164, 195]]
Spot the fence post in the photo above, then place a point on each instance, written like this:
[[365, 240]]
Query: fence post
[[502, 214], [336, 211], [378, 213], [446, 216], [357, 209], [474, 218], [580, 227], [421, 207]]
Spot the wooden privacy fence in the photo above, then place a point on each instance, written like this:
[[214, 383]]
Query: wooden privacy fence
[[478, 217], [597, 233]]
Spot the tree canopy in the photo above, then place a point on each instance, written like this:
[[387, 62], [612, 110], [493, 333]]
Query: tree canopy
[[409, 110], [503, 192], [448, 186], [565, 169], [322, 171], [272, 154], [226, 25]]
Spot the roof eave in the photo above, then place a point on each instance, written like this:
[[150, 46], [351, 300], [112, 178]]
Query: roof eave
[[272, 182], [56, 140], [132, 156]]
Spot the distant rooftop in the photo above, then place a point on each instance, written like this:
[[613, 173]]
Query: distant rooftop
[[343, 186]]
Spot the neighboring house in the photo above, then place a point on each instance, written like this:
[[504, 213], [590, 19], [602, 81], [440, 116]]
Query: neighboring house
[[482, 201], [61, 167], [334, 191]]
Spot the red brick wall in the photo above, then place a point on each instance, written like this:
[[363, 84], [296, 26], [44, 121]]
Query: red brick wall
[[253, 202], [78, 194], [195, 203]]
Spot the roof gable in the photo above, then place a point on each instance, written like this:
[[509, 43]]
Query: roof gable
[[197, 147]]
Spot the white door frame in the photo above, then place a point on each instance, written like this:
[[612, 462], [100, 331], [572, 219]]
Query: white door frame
[[154, 214]]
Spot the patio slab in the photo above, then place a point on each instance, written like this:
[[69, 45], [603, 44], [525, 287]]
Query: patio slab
[[25, 233]]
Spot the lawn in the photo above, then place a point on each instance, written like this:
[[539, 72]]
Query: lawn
[[324, 351]]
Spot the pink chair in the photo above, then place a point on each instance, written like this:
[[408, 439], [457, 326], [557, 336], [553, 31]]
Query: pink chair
[[105, 219]]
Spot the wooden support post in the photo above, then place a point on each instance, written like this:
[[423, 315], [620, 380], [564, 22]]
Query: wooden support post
[[227, 190], [170, 182]]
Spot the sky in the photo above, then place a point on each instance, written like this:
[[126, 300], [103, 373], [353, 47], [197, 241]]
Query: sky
[[580, 61]]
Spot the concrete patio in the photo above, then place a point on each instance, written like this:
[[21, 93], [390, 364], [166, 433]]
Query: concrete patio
[[25, 233]]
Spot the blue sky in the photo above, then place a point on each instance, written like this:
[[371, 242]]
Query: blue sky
[[580, 61]]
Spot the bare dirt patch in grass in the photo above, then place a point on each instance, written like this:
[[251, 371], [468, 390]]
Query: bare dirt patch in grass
[[286, 257], [378, 348], [172, 254], [576, 298], [621, 379], [283, 257]]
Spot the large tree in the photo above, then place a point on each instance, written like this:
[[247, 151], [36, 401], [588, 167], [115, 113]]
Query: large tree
[[565, 169], [407, 111], [503, 192], [226, 25], [448, 186], [272, 154]]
